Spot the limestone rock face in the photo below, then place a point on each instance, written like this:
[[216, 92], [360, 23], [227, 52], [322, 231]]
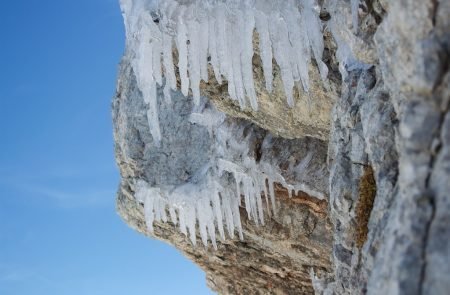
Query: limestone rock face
[[292, 242], [377, 137], [310, 115]]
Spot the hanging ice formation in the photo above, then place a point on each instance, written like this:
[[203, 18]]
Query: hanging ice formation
[[220, 33], [211, 200]]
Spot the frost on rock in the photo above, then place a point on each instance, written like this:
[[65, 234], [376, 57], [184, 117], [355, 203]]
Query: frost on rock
[[220, 33], [208, 203]]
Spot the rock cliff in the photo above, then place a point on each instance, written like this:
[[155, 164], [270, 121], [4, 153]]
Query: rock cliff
[[362, 200]]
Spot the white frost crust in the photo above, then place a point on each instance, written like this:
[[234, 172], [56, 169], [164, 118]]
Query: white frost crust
[[220, 33]]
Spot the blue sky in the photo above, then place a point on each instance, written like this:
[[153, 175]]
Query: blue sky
[[59, 233]]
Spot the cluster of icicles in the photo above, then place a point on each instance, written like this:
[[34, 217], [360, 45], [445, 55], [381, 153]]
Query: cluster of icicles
[[220, 33], [212, 205]]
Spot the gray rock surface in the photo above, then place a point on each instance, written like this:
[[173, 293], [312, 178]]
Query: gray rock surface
[[392, 118], [301, 235], [383, 136]]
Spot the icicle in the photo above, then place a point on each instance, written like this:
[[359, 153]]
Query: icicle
[[157, 50], [228, 212], [259, 200], [238, 187], [148, 211], [218, 211], [163, 213], [203, 49], [157, 210], [182, 218], [266, 196], [222, 47], [194, 58], [173, 215], [203, 216], [281, 44], [169, 72], [247, 22], [152, 114], [315, 36], [304, 163], [301, 49], [167, 94], [355, 16], [272, 194], [182, 53], [253, 201], [248, 205], [212, 49], [190, 216], [265, 47], [237, 216], [235, 50]]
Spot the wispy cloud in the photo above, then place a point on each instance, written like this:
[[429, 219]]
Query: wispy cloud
[[71, 199], [14, 276], [67, 193], [20, 275]]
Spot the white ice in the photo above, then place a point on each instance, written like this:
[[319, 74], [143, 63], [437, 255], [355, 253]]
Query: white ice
[[220, 34]]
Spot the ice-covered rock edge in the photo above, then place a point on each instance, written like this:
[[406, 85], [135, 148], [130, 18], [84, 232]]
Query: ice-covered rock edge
[[292, 38], [220, 33], [208, 200]]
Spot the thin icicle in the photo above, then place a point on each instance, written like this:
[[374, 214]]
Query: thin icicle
[[265, 47], [169, 72], [157, 50], [190, 216], [266, 196], [218, 213], [182, 53], [222, 46], [237, 215], [247, 22], [228, 213], [153, 114], [272, 194], [167, 94], [235, 57], [289, 31], [173, 215], [315, 36], [203, 48], [298, 37], [281, 44], [212, 48], [259, 201], [355, 15], [194, 58], [182, 219], [148, 211]]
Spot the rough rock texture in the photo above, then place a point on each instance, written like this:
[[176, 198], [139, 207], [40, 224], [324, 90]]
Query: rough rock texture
[[276, 258], [393, 118], [308, 117], [291, 242], [382, 129]]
